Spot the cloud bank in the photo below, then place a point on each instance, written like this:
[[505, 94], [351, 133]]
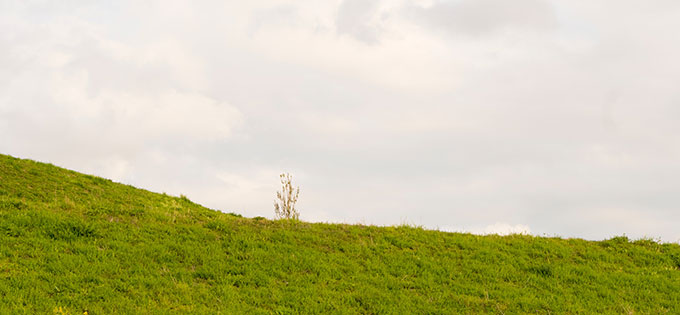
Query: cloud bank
[[556, 115]]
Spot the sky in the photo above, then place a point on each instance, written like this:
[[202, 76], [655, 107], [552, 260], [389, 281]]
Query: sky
[[554, 118]]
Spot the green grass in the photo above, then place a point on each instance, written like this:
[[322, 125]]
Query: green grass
[[83, 243]]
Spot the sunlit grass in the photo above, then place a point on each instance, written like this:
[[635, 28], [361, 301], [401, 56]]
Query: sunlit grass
[[75, 243]]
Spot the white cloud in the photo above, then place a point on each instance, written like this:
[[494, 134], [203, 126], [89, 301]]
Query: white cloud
[[359, 19], [432, 112], [481, 17], [86, 101]]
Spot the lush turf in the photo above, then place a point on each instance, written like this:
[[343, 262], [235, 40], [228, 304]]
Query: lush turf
[[75, 243]]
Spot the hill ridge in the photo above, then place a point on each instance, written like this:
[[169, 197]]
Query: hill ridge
[[79, 243]]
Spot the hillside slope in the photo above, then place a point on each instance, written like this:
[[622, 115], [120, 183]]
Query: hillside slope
[[72, 242]]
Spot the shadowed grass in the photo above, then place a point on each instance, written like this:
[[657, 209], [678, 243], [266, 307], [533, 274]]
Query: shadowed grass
[[82, 243]]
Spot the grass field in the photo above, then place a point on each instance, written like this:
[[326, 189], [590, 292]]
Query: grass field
[[76, 243]]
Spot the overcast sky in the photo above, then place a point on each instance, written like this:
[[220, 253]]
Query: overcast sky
[[549, 117]]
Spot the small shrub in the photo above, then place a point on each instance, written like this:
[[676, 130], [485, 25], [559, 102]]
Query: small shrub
[[287, 197]]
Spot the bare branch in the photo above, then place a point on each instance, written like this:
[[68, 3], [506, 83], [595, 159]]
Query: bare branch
[[284, 208]]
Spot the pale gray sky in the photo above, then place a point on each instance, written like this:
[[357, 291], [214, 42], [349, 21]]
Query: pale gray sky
[[554, 117]]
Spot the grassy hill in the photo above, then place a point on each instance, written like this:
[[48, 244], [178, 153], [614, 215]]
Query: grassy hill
[[73, 243]]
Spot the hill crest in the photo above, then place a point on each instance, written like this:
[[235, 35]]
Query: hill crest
[[76, 243]]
